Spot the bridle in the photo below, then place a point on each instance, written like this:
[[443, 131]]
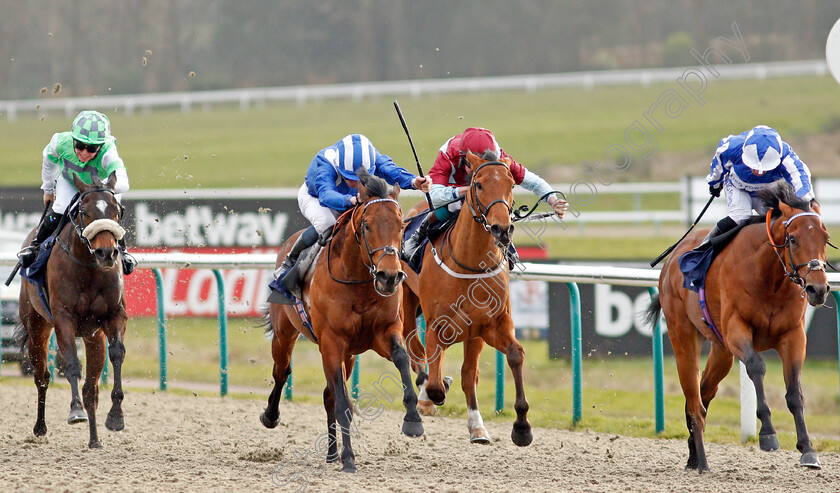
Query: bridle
[[479, 211], [373, 267], [793, 273], [88, 232]]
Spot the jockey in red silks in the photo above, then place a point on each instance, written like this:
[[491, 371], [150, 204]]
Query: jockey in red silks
[[451, 175]]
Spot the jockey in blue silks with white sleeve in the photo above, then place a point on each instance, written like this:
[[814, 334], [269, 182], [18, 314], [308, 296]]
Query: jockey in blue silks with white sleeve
[[747, 163], [331, 187]]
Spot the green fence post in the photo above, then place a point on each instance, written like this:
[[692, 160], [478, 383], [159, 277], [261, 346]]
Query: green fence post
[[836, 295], [354, 381], [287, 392], [223, 363], [658, 370], [421, 332], [500, 381], [51, 357], [161, 316], [103, 378], [574, 312]]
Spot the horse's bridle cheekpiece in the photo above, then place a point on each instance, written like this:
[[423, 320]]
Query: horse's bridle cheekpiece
[[793, 272], [479, 212]]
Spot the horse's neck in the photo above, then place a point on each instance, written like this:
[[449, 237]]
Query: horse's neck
[[352, 258], [471, 244]]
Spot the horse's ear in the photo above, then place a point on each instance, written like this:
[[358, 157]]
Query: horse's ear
[[787, 210], [474, 160], [80, 185], [815, 206], [112, 181], [507, 160]]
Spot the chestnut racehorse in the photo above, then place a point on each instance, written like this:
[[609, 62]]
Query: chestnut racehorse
[[86, 297], [756, 307], [353, 298], [464, 291]]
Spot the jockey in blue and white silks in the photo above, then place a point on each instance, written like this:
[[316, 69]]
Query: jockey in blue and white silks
[[749, 162], [331, 186]]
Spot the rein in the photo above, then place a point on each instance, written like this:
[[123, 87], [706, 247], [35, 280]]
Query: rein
[[371, 265], [793, 273]]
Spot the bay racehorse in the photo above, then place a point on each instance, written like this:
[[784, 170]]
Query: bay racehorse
[[757, 290], [464, 291], [84, 281], [353, 298]]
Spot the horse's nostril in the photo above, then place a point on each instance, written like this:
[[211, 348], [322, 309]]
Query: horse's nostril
[[810, 289]]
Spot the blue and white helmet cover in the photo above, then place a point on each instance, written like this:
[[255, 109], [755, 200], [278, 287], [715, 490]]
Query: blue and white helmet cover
[[762, 150], [355, 152]]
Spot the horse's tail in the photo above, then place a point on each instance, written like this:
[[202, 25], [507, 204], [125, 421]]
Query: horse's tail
[[266, 321], [651, 314]]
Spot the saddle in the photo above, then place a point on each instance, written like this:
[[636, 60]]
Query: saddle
[[695, 264], [288, 288], [37, 272]]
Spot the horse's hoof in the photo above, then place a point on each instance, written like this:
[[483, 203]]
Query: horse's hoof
[[768, 442], [522, 437], [349, 468], [268, 423], [426, 408], [412, 428], [114, 423], [810, 459], [77, 416], [40, 429], [94, 444], [480, 436]]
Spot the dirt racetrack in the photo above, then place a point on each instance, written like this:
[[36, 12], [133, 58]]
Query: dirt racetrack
[[199, 443]]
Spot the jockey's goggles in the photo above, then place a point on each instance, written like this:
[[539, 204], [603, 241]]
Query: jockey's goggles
[[91, 148]]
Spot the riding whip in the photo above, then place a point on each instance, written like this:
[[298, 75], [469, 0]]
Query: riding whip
[[671, 248], [416, 159]]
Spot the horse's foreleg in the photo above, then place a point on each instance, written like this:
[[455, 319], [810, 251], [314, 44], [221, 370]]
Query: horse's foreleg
[[116, 353], [739, 341], [66, 338], [469, 381], [717, 367], [333, 360], [95, 356], [282, 345], [436, 387], [412, 424], [503, 339], [792, 351]]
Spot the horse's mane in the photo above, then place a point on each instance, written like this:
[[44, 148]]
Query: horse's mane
[[376, 186], [490, 155], [769, 201]]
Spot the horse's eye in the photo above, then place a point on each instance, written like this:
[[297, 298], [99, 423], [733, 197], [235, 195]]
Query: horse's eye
[[477, 186], [793, 241]]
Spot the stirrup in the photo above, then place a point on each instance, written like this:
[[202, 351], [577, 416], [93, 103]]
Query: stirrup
[[128, 263], [285, 267], [27, 255]]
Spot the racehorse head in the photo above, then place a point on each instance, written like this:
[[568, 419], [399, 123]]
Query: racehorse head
[[96, 219], [800, 239], [490, 196], [379, 231]]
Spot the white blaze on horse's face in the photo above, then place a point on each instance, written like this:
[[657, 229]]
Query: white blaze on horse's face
[[102, 206]]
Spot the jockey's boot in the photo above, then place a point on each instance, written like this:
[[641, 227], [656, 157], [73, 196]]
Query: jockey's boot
[[304, 241], [128, 260], [411, 249], [724, 225], [29, 253]]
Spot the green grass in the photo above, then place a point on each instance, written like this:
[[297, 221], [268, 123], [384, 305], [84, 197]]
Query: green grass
[[271, 146], [617, 393]]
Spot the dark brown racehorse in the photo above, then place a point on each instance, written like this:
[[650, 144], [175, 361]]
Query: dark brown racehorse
[[87, 299], [464, 291], [353, 297], [756, 307]]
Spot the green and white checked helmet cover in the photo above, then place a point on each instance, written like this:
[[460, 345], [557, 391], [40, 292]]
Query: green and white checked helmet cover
[[91, 127]]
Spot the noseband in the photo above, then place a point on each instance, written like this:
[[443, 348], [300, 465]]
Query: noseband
[[793, 273], [373, 267], [479, 212]]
